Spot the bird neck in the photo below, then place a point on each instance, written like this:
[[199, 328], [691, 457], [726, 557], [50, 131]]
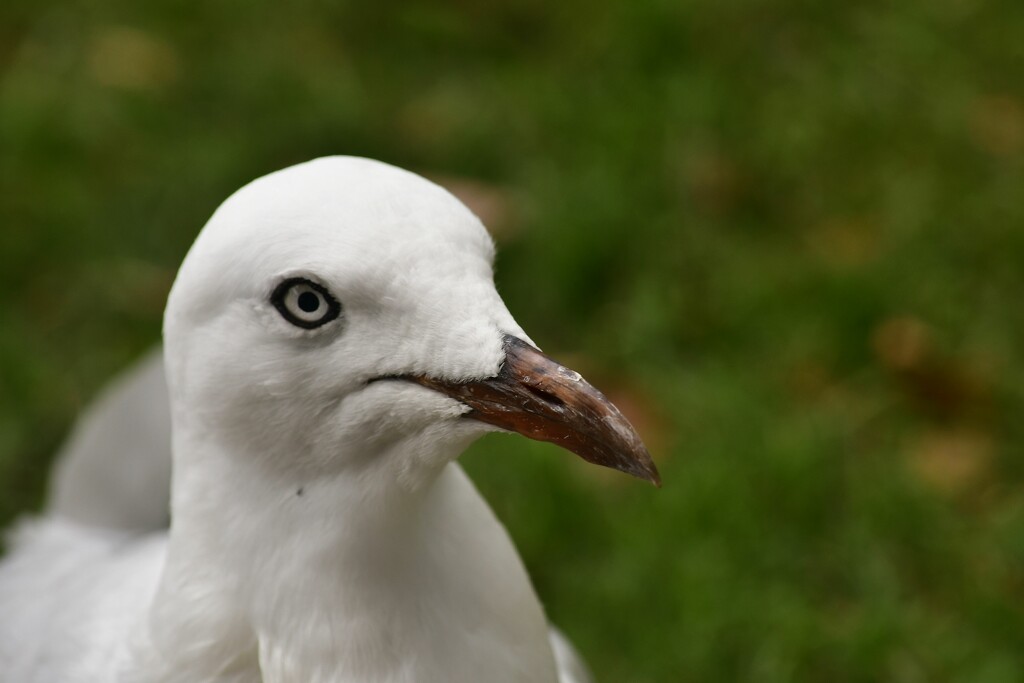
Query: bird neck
[[341, 579]]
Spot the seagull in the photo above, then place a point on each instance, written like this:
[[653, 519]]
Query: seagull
[[333, 342]]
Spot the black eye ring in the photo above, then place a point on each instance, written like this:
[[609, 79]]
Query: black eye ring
[[305, 303]]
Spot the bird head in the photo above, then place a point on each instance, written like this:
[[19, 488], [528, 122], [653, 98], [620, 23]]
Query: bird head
[[341, 315]]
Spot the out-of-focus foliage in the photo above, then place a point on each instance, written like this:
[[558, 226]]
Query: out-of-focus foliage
[[788, 237]]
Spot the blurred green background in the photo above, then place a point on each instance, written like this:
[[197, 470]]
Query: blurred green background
[[788, 237]]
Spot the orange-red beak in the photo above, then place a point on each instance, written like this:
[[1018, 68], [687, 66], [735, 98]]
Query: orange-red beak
[[544, 400]]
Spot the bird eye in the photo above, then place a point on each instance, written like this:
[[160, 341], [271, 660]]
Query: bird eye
[[304, 303]]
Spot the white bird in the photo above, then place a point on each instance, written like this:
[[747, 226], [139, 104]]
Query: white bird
[[333, 342]]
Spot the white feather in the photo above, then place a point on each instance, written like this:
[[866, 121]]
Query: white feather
[[321, 528]]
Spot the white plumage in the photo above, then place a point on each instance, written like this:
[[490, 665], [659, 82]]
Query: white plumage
[[321, 529]]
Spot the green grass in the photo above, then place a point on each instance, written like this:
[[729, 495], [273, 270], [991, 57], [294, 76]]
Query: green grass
[[790, 235]]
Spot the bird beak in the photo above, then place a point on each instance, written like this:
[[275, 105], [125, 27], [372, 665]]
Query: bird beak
[[544, 400]]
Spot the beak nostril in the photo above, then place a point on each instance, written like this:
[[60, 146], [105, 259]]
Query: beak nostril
[[545, 396]]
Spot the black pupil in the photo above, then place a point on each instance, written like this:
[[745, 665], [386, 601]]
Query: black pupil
[[309, 302]]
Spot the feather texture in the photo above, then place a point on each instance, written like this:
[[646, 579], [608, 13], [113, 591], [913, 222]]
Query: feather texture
[[321, 530]]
